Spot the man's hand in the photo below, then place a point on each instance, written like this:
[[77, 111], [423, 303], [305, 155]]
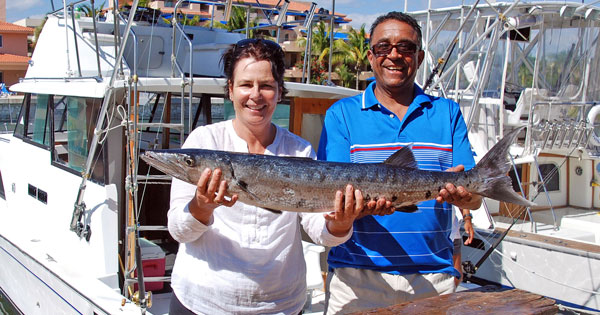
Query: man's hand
[[458, 196]]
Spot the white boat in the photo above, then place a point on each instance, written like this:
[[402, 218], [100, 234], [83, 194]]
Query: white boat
[[75, 200], [532, 64]]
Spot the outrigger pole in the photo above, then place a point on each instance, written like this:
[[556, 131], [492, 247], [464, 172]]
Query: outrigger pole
[[439, 67], [77, 225]]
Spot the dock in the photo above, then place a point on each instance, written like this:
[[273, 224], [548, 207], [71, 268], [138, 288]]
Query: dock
[[484, 300]]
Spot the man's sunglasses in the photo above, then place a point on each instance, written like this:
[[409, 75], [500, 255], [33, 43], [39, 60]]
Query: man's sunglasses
[[384, 48]]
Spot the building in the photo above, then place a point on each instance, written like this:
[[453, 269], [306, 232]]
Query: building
[[266, 14], [13, 52]]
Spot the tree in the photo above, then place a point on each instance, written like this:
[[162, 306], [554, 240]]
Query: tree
[[36, 33], [237, 21], [320, 48], [345, 74], [356, 50], [320, 45], [92, 12]]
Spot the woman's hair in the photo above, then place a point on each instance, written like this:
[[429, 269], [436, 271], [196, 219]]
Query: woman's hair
[[259, 49]]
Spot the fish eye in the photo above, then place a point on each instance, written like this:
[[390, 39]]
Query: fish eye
[[189, 161]]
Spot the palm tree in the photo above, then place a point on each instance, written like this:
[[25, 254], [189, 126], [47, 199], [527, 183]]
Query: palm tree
[[320, 48], [320, 45], [91, 12], [346, 75], [356, 51], [237, 21]]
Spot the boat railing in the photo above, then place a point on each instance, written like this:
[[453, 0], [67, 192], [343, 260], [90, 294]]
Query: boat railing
[[175, 66]]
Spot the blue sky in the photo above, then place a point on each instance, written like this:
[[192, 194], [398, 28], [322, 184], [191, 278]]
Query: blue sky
[[360, 11]]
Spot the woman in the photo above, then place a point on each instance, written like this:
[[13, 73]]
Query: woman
[[233, 257]]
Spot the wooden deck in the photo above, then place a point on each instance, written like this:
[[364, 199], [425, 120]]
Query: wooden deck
[[484, 300]]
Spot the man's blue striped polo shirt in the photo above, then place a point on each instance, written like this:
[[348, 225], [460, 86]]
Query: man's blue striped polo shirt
[[358, 129]]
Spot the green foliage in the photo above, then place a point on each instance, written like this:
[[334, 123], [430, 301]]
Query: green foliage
[[346, 75], [36, 33], [237, 21], [191, 22], [320, 50], [91, 12], [356, 50], [184, 20]]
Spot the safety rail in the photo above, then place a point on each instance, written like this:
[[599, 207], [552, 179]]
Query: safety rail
[[176, 66]]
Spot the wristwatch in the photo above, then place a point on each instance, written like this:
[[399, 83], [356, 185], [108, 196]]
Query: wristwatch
[[467, 216]]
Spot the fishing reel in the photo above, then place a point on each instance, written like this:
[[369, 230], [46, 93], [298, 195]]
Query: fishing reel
[[468, 268], [135, 298]]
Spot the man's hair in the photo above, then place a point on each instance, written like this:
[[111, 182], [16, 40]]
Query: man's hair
[[398, 16]]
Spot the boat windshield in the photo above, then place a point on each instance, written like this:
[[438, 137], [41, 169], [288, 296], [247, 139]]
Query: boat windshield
[[72, 125]]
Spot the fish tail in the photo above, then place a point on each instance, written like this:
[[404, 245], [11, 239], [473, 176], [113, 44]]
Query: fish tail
[[492, 170]]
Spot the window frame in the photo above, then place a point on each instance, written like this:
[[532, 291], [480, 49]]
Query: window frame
[[24, 114], [546, 168]]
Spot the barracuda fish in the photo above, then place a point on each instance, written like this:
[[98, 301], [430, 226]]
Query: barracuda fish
[[305, 185]]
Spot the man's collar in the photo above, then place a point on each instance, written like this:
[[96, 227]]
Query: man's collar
[[370, 100]]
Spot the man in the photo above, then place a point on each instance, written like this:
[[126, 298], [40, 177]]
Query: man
[[403, 256]]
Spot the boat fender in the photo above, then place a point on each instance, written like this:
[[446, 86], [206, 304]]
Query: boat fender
[[591, 118]]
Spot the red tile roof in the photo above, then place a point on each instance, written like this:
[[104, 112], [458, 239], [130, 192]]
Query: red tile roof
[[13, 28], [13, 59]]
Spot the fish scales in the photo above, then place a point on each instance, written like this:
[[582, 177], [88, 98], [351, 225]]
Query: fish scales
[[302, 184]]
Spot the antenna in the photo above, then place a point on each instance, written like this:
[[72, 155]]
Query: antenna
[[310, 16], [282, 12], [228, 6]]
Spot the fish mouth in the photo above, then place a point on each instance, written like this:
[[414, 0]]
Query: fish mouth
[[156, 160]]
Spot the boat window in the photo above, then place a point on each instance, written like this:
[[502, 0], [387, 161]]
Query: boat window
[[551, 176], [513, 177], [74, 121], [38, 128], [20, 125]]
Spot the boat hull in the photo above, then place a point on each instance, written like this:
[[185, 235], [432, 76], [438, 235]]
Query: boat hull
[[564, 270], [36, 289]]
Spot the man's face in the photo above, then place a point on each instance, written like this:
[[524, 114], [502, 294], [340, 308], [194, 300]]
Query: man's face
[[395, 55]]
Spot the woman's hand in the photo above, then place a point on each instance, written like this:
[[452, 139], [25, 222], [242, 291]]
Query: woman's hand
[[348, 206], [210, 193]]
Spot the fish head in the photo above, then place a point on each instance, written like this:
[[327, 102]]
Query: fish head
[[177, 163]]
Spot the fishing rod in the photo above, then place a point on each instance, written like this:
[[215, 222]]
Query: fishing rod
[[468, 266], [441, 64]]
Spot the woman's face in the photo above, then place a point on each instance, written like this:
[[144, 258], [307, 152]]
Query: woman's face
[[254, 92]]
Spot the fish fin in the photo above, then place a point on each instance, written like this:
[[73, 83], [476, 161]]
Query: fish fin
[[244, 186], [403, 158], [273, 210], [407, 208], [492, 170]]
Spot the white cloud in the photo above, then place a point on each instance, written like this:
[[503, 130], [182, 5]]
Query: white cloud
[[359, 19], [23, 4]]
